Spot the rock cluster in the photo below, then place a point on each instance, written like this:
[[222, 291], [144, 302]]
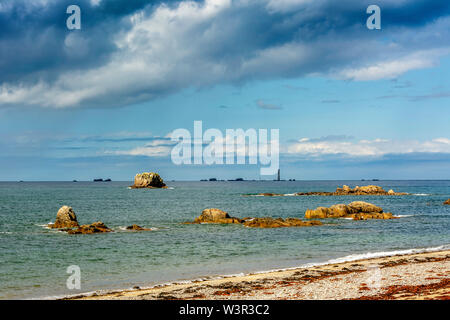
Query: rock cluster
[[96, 227], [345, 191], [65, 218], [447, 202], [218, 216], [357, 210], [148, 180]]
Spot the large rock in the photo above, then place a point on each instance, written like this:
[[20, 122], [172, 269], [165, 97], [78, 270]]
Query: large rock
[[364, 207], [447, 202], [221, 217], [148, 180], [279, 223], [357, 210], [214, 215], [96, 227], [65, 218]]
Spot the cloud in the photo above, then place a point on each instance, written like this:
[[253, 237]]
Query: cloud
[[365, 148], [394, 68], [130, 52], [267, 106]]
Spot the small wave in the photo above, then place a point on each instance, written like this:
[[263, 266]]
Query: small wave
[[421, 194], [5, 232], [45, 226], [404, 215], [381, 254], [123, 228]]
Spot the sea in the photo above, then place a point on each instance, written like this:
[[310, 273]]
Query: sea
[[34, 259]]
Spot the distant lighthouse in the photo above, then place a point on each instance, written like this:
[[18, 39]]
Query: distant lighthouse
[[278, 178]]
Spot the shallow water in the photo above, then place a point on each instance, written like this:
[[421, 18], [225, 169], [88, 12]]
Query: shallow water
[[33, 259]]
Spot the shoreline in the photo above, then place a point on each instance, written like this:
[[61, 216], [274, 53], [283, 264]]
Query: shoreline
[[417, 273]]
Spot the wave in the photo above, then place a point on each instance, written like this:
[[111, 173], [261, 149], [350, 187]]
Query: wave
[[349, 258], [123, 228], [45, 226], [403, 215], [421, 194]]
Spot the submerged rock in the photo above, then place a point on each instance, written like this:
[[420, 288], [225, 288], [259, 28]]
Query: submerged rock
[[279, 223], [447, 202], [65, 218], [148, 180], [135, 227], [357, 210], [96, 227]]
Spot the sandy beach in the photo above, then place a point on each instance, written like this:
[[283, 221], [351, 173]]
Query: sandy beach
[[403, 277]]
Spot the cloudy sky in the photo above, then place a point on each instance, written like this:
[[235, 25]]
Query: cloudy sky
[[350, 103]]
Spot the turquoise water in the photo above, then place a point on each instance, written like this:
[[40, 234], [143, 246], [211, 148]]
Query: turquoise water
[[34, 259]]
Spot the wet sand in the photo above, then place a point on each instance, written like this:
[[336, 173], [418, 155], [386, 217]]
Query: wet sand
[[412, 276]]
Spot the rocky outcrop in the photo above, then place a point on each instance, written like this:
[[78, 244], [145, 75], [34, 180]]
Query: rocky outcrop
[[447, 202], [96, 227], [357, 210], [65, 218], [279, 223], [148, 180], [214, 215], [218, 216], [346, 191], [135, 227]]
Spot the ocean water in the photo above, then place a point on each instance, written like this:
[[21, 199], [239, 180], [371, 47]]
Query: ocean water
[[34, 259]]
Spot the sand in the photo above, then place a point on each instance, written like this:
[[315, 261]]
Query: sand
[[412, 276]]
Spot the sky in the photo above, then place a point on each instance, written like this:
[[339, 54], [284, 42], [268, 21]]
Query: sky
[[102, 101]]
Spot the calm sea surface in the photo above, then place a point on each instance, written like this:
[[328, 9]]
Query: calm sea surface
[[34, 259]]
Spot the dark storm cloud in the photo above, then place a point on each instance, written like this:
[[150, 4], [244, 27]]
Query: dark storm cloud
[[118, 61]]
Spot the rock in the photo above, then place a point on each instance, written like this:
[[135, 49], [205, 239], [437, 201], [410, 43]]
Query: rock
[[65, 218], [148, 180], [319, 213], [96, 227], [214, 215], [346, 191], [218, 216], [135, 227], [447, 202], [358, 210], [279, 223], [365, 207]]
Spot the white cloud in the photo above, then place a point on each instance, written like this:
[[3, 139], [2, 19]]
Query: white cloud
[[393, 68], [375, 147]]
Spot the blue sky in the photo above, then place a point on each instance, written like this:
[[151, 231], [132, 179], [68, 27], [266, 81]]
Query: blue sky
[[350, 103]]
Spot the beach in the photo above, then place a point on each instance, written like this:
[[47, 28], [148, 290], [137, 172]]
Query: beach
[[419, 276]]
